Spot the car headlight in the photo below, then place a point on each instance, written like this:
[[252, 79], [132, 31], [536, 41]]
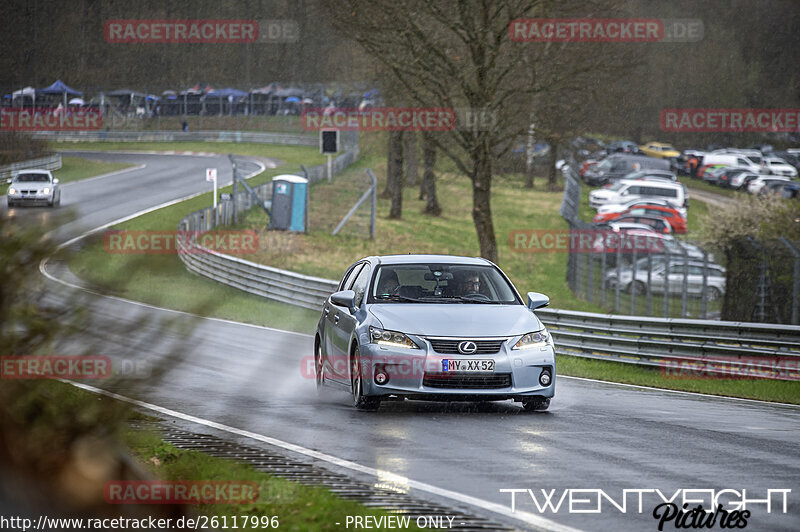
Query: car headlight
[[45, 190], [390, 338], [535, 339], [12, 190]]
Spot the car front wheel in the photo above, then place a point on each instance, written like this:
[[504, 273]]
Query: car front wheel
[[360, 401], [536, 404]]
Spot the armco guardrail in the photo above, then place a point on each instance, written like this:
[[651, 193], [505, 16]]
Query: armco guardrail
[[679, 345], [51, 162], [178, 136]]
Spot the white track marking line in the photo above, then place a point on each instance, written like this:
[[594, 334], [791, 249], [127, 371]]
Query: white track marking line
[[682, 392], [526, 517]]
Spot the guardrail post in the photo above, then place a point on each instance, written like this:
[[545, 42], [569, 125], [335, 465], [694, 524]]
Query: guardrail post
[[704, 290], [589, 277], [666, 284], [633, 282], [685, 285], [649, 287], [795, 281], [603, 278], [619, 277]]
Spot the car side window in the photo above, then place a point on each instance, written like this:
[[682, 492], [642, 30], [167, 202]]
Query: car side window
[[350, 276], [360, 284]]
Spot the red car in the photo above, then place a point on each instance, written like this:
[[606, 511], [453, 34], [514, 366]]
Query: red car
[[668, 213]]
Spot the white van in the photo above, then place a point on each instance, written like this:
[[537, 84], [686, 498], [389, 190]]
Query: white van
[[626, 190], [735, 160]]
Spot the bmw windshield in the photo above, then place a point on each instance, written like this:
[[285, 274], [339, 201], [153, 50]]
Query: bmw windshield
[[441, 283]]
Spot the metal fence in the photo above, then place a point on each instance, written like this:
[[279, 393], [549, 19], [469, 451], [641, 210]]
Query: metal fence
[[51, 162], [677, 278]]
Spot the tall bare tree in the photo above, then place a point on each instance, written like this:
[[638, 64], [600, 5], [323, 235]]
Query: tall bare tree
[[454, 54]]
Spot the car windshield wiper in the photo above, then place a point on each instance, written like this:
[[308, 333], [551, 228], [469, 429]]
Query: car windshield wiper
[[395, 297], [466, 299]]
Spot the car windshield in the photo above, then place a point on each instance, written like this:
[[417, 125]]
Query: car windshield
[[616, 186], [32, 177], [441, 283]]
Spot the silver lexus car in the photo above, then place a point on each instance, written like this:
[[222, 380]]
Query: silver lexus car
[[31, 187], [434, 327]]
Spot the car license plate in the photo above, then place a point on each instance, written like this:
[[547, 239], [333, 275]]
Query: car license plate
[[450, 365]]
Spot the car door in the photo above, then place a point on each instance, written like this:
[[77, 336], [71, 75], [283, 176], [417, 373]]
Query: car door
[[344, 323], [330, 311]]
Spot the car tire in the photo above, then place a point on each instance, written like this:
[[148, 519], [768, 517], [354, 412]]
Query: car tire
[[713, 293], [318, 366], [536, 404], [360, 401], [637, 287]]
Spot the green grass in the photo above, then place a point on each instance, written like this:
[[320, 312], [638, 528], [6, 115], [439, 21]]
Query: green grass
[[295, 155], [163, 280], [760, 389], [76, 168], [298, 507], [699, 184], [258, 123]]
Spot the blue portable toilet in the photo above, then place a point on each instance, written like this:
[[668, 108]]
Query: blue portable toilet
[[289, 200]]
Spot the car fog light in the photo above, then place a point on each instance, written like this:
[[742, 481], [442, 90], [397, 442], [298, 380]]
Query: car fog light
[[381, 377], [544, 378]]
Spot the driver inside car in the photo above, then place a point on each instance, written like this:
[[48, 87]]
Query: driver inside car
[[389, 284], [469, 283]]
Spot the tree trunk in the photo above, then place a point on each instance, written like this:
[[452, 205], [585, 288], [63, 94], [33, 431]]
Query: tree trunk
[[411, 158], [552, 185], [428, 184], [529, 175], [396, 175], [481, 203], [530, 160], [387, 191]]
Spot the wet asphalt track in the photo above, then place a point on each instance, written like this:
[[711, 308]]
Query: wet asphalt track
[[595, 436]]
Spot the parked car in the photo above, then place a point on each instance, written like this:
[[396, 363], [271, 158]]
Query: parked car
[[659, 150], [777, 166], [622, 207], [756, 185], [791, 158], [737, 160], [434, 327], [626, 190], [724, 177], [616, 166], [33, 187], [753, 156], [676, 221], [691, 270], [622, 146], [659, 224], [740, 181], [763, 148], [666, 175], [710, 175], [784, 189]]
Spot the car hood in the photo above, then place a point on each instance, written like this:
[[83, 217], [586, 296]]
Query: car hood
[[602, 193], [456, 319], [31, 185]]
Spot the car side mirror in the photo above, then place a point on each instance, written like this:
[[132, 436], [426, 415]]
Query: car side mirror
[[10, 180], [55, 181], [345, 298], [537, 300]]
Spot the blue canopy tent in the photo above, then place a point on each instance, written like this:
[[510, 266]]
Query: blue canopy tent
[[59, 87]]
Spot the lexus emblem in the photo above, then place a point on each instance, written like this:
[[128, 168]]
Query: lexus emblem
[[467, 348]]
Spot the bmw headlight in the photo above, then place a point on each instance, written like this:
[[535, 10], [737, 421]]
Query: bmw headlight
[[45, 190], [12, 190], [390, 338], [535, 339]]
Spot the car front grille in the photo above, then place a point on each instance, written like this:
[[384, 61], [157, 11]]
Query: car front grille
[[471, 382], [450, 346]]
